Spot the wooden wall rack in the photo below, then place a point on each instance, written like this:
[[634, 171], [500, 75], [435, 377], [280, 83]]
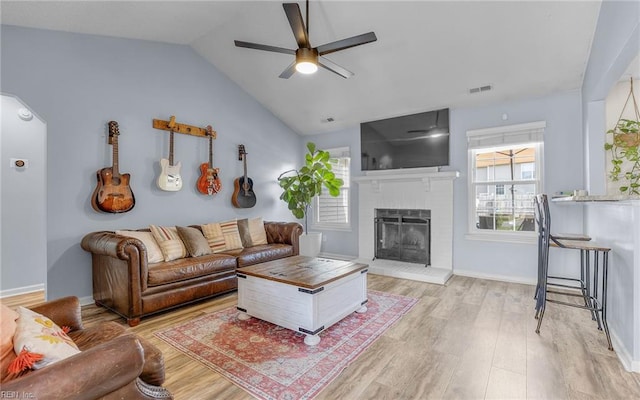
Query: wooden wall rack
[[173, 126]]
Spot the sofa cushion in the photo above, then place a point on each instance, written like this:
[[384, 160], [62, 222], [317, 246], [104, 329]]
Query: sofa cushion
[[188, 268], [169, 241], [262, 253], [154, 254], [194, 241], [153, 370]]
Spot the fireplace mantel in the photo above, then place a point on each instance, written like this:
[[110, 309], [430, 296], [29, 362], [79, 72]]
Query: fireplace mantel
[[376, 178]]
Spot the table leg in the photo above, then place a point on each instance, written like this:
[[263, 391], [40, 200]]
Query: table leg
[[243, 316]]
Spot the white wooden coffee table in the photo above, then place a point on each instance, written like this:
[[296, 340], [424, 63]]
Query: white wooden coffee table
[[301, 293]]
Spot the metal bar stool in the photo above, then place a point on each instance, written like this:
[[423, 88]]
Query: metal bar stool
[[594, 300], [557, 236]]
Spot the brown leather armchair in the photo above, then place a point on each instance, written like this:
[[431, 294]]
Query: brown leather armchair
[[112, 364]]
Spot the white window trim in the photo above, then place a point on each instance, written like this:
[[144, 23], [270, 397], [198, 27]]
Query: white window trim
[[330, 226], [500, 137]]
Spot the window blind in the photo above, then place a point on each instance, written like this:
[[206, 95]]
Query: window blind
[[335, 210], [506, 135]]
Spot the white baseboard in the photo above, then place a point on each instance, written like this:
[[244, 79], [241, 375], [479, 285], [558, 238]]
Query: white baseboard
[[22, 290], [623, 355], [86, 300], [494, 277]]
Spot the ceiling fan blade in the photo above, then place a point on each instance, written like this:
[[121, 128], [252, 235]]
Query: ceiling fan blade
[[346, 43], [335, 68], [286, 74], [297, 24], [264, 47]]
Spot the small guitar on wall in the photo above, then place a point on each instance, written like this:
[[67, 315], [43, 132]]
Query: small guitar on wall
[[170, 179], [113, 193], [243, 195], [209, 181]]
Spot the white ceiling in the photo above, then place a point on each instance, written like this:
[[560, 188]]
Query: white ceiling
[[428, 54]]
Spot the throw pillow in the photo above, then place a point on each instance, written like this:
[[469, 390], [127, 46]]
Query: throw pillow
[[257, 232], [231, 234], [169, 241], [38, 341], [154, 254], [194, 241], [243, 229], [7, 330], [223, 235], [215, 238]]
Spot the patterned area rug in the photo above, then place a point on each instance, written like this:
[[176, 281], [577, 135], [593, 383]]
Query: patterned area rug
[[271, 362]]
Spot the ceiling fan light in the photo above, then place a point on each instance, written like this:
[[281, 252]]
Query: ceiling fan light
[[306, 60], [306, 67]]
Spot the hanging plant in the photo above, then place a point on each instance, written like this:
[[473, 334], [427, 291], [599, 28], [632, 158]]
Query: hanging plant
[[625, 157]]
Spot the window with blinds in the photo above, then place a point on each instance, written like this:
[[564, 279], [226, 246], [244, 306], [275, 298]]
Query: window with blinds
[[505, 170], [333, 212]]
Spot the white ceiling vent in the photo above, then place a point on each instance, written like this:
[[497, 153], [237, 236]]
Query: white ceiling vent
[[479, 89]]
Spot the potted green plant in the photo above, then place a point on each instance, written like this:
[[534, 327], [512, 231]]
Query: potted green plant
[[625, 156], [301, 186]]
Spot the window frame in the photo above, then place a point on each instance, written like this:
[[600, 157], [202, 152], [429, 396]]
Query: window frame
[[500, 138], [339, 152]]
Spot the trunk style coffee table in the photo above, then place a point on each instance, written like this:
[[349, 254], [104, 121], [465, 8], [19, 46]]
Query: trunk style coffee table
[[301, 293]]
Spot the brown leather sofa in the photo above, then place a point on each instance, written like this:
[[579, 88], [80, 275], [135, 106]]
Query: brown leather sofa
[[125, 283], [112, 364]]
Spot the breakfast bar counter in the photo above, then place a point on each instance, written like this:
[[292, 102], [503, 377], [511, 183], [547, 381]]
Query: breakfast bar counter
[[614, 221]]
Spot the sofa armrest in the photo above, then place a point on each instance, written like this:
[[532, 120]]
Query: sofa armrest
[[64, 312], [110, 244], [90, 374], [285, 233], [127, 249]]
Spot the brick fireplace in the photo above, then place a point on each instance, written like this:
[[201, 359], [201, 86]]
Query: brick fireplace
[[414, 189]]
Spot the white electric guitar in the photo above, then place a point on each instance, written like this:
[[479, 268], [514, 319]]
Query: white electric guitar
[[170, 179]]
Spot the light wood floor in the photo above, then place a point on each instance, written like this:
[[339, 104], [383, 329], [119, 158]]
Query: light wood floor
[[470, 339]]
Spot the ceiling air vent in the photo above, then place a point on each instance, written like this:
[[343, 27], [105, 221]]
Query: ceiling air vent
[[485, 88], [328, 119]]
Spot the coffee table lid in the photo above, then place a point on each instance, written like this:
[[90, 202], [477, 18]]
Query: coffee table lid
[[301, 271]]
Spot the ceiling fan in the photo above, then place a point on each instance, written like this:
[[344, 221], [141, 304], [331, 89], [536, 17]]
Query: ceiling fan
[[308, 58]]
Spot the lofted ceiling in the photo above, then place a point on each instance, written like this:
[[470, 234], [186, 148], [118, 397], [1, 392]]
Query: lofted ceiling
[[428, 54]]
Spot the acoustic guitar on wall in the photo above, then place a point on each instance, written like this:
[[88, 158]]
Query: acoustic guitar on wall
[[209, 181], [113, 193], [170, 179], [243, 195]]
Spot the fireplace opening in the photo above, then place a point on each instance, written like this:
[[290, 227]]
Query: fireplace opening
[[403, 235]]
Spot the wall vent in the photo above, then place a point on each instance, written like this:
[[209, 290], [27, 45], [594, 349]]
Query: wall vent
[[479, 89]]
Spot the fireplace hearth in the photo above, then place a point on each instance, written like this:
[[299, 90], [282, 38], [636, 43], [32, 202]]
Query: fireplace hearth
[[403, 235]]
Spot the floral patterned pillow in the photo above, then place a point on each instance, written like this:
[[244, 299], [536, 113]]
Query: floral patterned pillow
[[38, 342]]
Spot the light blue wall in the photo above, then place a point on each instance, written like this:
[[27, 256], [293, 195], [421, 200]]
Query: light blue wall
[[563, 165], [615, 44], [340, 242], [562, 170], [77, 83]]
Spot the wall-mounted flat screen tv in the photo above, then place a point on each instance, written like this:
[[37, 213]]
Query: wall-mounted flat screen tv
[[410, 141]]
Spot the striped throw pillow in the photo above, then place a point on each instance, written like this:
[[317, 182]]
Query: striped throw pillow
[[169, 242], [215, 238], [223, 235]]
